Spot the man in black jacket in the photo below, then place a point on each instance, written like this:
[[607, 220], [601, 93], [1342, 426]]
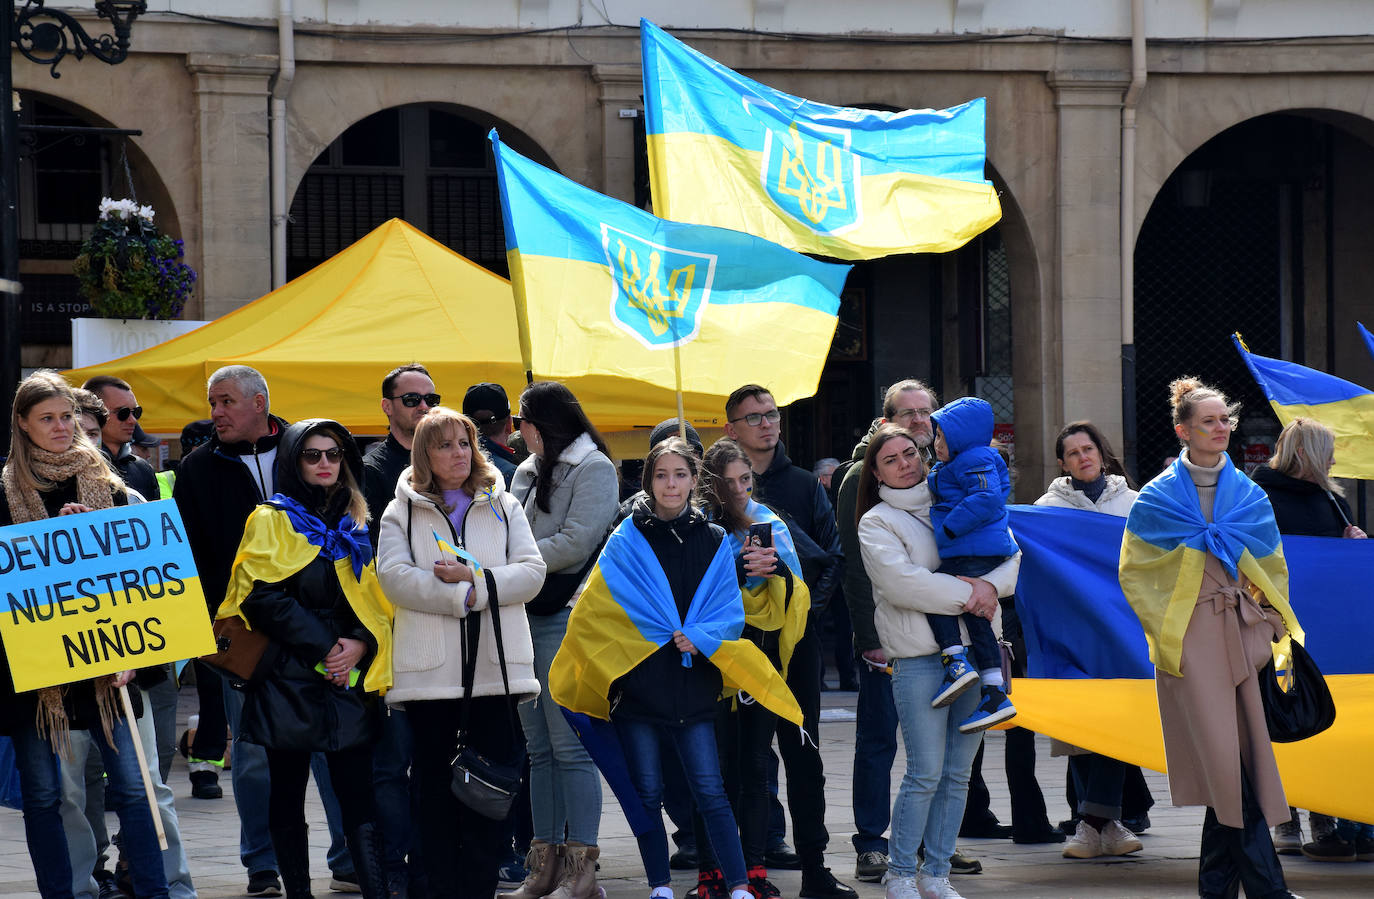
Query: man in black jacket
[[407, 395], [217, 487], [118, 430], [752, 421]]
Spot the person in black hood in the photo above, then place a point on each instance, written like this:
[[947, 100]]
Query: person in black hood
[[304, 576], [1308, 503]]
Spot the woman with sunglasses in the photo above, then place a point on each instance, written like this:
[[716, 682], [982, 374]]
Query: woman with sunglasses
[[51, 471], [570, 491], [304, 576]]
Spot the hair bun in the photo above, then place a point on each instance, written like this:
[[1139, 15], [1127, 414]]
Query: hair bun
[[1181, 387]]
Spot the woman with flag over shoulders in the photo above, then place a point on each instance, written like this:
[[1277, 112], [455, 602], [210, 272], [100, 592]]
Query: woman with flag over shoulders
[[1202, 566], [53, 470], [304, 576], [901, 558], [775, 606], [456, 558], [653, 642]]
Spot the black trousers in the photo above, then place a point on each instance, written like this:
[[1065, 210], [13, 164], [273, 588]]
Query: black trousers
[[801, 754], [210, 740], [350, 772], [461, 849]]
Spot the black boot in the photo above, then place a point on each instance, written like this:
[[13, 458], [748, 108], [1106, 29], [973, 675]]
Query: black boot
[[365, 845], [1217, 875], [1260, 871], [293, 860]]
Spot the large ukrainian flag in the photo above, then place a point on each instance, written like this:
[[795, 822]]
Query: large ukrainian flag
[[1296, 391], [608, 289], [849, 183]]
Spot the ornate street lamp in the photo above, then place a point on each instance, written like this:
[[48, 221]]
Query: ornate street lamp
[[45, 36]]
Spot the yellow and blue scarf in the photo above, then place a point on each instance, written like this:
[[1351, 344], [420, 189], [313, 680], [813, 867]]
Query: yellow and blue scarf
[[281, 537], [1166, 544], [766, 603], [627, 611]]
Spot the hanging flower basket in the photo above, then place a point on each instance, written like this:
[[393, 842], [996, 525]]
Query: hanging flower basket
[[127, 270]]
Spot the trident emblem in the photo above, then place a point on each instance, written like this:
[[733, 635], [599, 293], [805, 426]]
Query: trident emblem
[[645, 290], [816, 192]]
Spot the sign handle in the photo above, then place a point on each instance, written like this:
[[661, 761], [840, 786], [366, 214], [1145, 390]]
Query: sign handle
[[143, 766]]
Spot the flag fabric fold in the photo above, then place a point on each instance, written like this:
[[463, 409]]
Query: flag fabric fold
[[767, 603], [849, 183], [1295, 391], [608, 289]]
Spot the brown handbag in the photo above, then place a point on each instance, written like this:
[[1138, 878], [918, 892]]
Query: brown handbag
[[245, 655]]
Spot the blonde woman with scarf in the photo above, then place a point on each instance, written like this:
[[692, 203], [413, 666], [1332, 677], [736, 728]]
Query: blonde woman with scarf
[[52, 470]]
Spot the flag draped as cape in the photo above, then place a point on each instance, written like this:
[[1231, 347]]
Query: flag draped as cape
[[766, 603], [273, 549]]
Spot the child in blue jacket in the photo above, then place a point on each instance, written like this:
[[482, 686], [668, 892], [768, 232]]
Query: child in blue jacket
[[969, 488]]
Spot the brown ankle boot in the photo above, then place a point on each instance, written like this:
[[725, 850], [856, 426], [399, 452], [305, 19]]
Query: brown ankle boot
[[544, 866], [579, 874]]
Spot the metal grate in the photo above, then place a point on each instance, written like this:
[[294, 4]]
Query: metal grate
[[331, 211], [465, 216], [995, 384], [1207, 264]]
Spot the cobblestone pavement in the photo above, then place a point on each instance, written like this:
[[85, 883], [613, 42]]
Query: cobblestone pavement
[[1164, 869]]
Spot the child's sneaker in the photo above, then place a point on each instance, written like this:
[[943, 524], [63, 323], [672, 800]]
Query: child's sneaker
[[959, 676], [993, 708]]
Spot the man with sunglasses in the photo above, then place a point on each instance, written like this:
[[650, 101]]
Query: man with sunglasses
[[118, 432], [407, 395], [753, 421]]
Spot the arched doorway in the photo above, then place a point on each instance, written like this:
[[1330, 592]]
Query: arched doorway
[[68, 160], [1259, 231], [427, 163]]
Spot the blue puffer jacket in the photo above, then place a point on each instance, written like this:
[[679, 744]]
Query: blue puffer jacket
[[970, 490]]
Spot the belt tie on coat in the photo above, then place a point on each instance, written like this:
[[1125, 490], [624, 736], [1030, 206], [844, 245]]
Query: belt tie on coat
[[1240, 608]]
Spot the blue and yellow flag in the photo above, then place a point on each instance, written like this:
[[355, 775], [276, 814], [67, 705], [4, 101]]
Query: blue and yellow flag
[[1368, 338], [849, 183], [608, 289], [1295, 391], [1091, 680], [627, 611], [768, 604]]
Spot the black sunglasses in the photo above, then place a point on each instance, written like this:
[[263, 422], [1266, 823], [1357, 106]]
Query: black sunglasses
[[411, 400], [123, 412], [333, 454]]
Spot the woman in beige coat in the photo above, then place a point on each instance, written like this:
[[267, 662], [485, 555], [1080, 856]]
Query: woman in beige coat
[[1202, 525], [451, 498]]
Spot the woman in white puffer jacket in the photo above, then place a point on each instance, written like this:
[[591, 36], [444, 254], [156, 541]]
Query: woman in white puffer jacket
[[451, 498]]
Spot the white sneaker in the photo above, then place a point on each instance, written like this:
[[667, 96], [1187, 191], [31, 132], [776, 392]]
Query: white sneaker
[[1086, 842], [936, 888], [901, 887], [1117, 840]]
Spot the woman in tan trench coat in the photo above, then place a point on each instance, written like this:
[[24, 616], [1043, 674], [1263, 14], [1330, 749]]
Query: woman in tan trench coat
[[1207, 653]]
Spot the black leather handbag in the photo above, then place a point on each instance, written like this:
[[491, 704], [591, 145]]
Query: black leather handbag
[[487, 786], [1305, 708]]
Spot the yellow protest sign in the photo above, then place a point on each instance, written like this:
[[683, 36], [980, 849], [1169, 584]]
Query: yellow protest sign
[[99, 592]]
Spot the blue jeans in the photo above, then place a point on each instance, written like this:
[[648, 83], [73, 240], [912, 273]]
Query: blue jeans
[[695, 745], [41, 785], [82, 841], [875, 749], [252, 785], [930, 800], [1097, 780], [565, 787], [391, 759]]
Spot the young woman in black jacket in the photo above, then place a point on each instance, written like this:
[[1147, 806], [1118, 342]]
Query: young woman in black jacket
[[305, 577]]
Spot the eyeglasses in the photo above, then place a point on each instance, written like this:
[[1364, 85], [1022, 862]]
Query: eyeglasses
[[411, 400], [123, 412], [922, 414], [333, 454], [754, 419]]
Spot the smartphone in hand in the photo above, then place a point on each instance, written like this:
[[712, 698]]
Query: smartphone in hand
[[760, 534]]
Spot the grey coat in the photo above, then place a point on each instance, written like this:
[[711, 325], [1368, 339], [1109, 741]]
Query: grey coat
[[585, 497]]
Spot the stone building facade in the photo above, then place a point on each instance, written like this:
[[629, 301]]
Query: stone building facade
[[1055, 76]]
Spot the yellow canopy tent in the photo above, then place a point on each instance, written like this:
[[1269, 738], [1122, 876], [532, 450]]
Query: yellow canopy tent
[[325, 340]]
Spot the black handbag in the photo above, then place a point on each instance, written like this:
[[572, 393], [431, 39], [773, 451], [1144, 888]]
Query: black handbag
[[485, 785], [1306, 708]]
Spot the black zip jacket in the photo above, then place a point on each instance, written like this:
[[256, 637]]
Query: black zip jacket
[[216, 493], [659, 689], [1301, 508], [133, 471], [382, 467], [800, 501]]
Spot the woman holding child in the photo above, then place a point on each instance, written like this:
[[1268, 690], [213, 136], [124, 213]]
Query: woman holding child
[[901, 556]]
